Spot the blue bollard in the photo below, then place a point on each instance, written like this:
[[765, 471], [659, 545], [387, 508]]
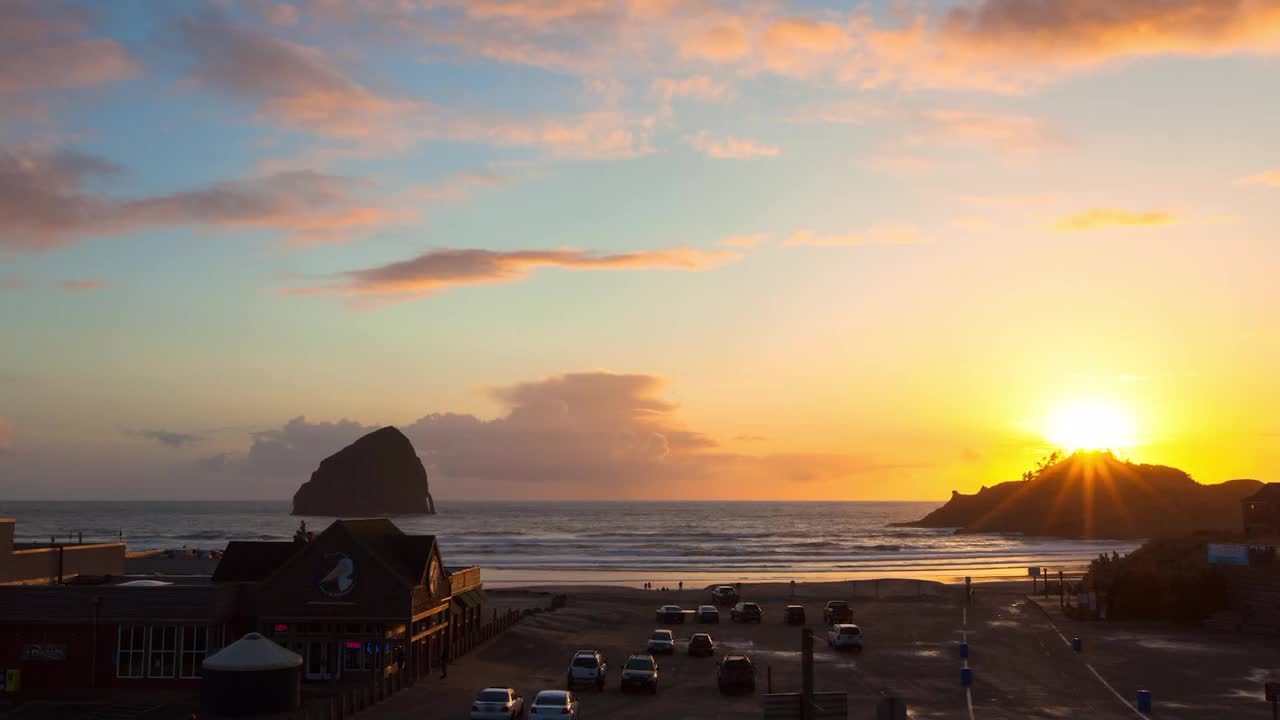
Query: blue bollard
[[964, 649], [966, 677], [1144, 701], [1077, 644]]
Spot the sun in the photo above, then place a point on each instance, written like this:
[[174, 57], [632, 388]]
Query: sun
[[1090, 426]]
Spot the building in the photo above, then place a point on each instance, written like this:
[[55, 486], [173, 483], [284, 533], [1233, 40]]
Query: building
[[54, 563], [358, 601], [1261, 512]]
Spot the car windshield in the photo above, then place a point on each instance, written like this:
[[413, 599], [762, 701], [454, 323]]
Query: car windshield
[[670, 608], [708, 609], [750, 606], [585, 661], [661, 635], [494, 696], [838, 604], [700, 640], [850, 631], [737, 664], [639, 664], [552, 699]]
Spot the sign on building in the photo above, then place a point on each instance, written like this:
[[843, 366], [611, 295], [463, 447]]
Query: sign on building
[[1228, 554], [44, 651]]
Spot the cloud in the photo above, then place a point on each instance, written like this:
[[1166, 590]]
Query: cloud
[[594, 433], [292, 85], [696, 87], [44, 48], [6, 433], [731, 148], [83, 285], [879, 235], [170, 439], [436, 271], [47, 203], [723, 42], [1266, 177], [743, 241], [1011, 133], [800, 46], [1105, 218]]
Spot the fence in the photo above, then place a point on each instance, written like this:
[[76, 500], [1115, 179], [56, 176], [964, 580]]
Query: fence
[[350, 700]]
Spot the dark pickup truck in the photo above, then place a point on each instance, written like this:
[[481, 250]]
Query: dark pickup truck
[[837, 612]]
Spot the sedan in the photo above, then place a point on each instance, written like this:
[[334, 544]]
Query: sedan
[[554, 704], [497, 704], [662, 642], [670, 614]]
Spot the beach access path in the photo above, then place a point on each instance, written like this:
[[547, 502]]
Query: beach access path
[[1022, 667]]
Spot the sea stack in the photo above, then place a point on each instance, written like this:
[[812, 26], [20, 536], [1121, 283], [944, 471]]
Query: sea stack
[[379, 474]]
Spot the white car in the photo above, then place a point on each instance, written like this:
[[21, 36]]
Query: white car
[[845, 636], [554, 704], [587, 668], [497, 704], [662, 641]]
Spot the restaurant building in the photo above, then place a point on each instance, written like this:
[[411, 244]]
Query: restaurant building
[[357, 601]]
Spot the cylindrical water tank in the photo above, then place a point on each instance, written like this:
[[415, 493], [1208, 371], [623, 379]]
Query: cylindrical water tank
[[251, 676]]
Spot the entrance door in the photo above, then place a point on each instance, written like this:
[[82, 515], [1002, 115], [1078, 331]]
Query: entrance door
[[319, 664]]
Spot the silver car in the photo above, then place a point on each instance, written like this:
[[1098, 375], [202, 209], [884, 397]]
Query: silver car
[[497, 704], [554, 704]]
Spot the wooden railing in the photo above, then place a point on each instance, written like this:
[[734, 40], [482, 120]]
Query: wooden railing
[[463, 580]]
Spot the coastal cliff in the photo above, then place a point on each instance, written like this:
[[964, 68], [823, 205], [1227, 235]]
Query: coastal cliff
[[1096, 495], [379, 474]]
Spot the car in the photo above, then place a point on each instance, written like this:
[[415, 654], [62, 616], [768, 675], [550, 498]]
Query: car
[[845, 636], [670, 614], [661, 641], [736, 673], [794, 614], [640, 671], [707, 614], [724, 595], [586, 668], [701, 644], [746, 612], [554, 704], [837, 611], [497, 704]]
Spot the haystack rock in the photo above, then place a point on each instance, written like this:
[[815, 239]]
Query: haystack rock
[[379, 474]]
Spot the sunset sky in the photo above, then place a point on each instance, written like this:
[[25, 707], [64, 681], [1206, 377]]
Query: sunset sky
[[642, 249]]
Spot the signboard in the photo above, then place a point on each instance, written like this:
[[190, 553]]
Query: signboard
[[1273, 691], [1033, 572], [12, 680], [44, 652], [337, 575], [1227, 554]]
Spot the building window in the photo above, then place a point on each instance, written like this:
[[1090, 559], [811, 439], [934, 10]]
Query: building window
[[131, 651], [196, 640], [352, 654], [164, 651]]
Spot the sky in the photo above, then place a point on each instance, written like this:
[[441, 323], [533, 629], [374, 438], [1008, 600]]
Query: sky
[[641, 249]]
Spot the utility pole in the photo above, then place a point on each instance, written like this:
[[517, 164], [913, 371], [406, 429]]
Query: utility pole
[[806, 674]]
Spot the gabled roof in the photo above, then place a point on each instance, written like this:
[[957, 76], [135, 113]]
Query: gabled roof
[[253, 561], [406, 555], [1269, 493]]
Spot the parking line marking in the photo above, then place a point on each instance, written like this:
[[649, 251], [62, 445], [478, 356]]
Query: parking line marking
[[964, 637], [1096, 674]]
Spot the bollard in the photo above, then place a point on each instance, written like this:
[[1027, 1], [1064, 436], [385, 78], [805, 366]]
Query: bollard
[[1144, 701], [966, 677], [964, 649], [1077, 644]]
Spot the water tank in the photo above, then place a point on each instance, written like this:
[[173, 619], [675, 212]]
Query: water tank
[[251, 676]]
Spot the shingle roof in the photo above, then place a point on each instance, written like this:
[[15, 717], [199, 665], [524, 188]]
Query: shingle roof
[[407, 555], [1269, 493], [252, 561]]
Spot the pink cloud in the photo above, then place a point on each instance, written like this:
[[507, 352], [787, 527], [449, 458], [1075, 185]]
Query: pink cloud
[[696, 87], [83, 285], [44, 199], [1110, 218], [43, 47], [799, 46], [732, 148], [722, 42], [439, 270]]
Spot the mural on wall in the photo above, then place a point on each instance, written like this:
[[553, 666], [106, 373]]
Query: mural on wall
[[337, 574]]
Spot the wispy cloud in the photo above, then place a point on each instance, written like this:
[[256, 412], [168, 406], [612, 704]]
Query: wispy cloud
[[879, 235], [83, 285], [1106, 217], [169, 438], [695, 87], [1008, 133], [46, 204], [1266, 177], [731, 148], [436, 271], [800, 46]]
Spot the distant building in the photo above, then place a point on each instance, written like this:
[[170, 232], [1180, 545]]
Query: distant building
[[1261, 512], [39, 563], [358, 600]]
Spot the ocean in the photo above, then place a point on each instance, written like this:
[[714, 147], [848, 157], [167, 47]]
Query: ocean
[[622, 542]]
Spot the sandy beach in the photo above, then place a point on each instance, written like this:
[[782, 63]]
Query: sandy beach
[[1023, 667]]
